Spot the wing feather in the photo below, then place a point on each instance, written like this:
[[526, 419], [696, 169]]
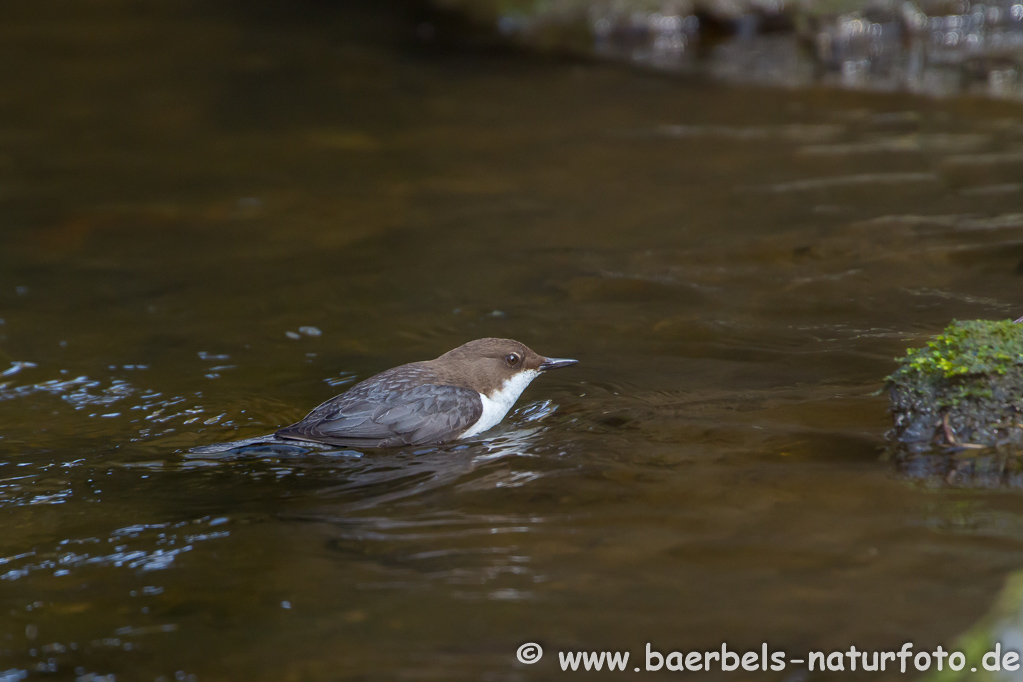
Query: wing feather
[[410, 415]]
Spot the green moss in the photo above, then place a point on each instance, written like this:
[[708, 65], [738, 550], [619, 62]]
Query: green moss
[[972, 347], [960, 398]]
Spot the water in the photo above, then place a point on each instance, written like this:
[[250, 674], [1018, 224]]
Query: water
[[182, 186]]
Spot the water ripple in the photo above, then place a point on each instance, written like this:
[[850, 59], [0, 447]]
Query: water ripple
[[161, 544]]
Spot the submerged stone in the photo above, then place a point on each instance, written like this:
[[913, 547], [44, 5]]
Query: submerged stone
[[957, 405]]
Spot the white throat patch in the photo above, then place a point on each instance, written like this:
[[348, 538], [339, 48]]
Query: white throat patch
[[498, 404]]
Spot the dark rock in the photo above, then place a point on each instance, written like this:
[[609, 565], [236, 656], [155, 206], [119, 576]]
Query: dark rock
[[957, 405]]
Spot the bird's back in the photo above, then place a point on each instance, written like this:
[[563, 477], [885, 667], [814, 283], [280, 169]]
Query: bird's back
[[407, 405]]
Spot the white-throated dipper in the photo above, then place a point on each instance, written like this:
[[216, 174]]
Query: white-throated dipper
[[462, 393]]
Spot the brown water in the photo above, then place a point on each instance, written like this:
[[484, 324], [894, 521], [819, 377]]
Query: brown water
[[183, 184]]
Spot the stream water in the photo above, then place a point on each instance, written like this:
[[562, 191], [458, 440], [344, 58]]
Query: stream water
[[213, 216]]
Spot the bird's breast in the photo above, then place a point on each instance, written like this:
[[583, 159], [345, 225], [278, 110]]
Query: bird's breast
[[499, 402]]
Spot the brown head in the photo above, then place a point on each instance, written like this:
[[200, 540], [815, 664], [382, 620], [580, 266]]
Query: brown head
[[487, 365]]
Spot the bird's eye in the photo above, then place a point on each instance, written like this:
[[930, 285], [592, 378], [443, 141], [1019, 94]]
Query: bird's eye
[[512, 359]]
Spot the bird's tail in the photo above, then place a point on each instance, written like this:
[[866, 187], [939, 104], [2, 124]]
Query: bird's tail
[[269, 444]]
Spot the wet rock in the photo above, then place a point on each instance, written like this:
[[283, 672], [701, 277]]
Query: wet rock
[[937, 47], [957, 405]]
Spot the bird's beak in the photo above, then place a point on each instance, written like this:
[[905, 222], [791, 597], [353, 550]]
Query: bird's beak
[[554, 363]]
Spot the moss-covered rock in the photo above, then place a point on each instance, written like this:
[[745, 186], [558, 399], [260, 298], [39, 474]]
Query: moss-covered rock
[[957, 404]]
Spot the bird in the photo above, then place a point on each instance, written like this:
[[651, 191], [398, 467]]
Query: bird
[[460, 394], [463, 393]]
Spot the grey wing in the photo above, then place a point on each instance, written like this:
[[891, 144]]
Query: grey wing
[[424, 414]]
